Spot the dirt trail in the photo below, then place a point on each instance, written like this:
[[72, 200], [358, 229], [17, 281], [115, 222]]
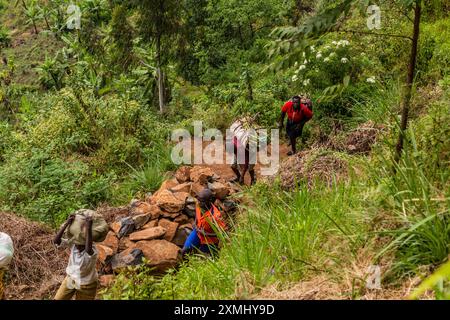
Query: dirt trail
[[225, 171]]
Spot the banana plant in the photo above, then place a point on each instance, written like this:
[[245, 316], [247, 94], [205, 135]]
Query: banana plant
[[45, 13], [33, 15]]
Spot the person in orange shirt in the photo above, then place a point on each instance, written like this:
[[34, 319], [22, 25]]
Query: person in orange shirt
[[299, 111], [208, 220]]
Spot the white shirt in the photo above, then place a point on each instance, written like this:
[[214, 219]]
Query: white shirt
[[81, 268], [6, 250], [243, 135]]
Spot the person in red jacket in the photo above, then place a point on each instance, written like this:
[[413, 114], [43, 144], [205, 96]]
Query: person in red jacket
[[299, 111]]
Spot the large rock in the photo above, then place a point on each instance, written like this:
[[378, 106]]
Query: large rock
[[181, 219], [189, 209], [169, 215], [161, 254], [182, 196], [201, 175], [167, 201], [126, 227], [150, 224], [145, 208], [129, 257], [111, 241], [148, 234], [219, 190], [141, 219], [125, 243], [184, 187], [165, 186], [171, 228], [181, 236], [115, 227], [196, 188], [103, 253], [183, 174], [187, 225]]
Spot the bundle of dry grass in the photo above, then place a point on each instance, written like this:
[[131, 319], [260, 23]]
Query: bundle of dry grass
[[307, 166], [112, 214], [359, 140], [38, 266]]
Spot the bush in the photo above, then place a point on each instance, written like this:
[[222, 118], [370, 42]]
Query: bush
[[5, 38]]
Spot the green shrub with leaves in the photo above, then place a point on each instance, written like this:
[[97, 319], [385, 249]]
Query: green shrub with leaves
[[5, 38]]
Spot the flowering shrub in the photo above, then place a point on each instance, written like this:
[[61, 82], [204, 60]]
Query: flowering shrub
[[329, 69], [323, 66]]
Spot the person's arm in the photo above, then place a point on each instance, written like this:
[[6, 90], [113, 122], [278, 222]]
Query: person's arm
[[281, 123], [88, 244], [284, 109], [58, 237]]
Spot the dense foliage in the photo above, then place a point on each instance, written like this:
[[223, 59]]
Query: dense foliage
[[80, 124]]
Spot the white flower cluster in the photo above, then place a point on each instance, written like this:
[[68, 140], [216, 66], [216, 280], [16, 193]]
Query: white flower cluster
[[342, 43], [371, 79]]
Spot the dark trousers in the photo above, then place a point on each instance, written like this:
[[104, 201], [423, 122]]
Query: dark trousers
[[294, 130]]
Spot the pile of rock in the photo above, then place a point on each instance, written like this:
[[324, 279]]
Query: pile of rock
[[158, 227]]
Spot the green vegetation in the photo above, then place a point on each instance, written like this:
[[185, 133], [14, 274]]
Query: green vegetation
[[86, 117]]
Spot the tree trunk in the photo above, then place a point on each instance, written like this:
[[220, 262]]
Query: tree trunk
[[46, 22], [160, 75], [35, 27], [409, 82]]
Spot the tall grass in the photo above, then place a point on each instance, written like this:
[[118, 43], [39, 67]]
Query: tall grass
[[418, 196], [146, 178]]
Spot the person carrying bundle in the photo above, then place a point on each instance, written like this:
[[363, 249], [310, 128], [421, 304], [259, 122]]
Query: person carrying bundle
[[299, 111], [82, 229], [6, 255], [243, 136]]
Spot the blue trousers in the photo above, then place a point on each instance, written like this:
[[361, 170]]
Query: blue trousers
[[193, 242]]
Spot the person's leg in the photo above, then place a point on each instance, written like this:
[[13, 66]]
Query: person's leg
[[293, 140], [300, 129], [192, 242], [235, 166], [63, 292], [291, 132], [2, 286], [87, 292], [251, 170]]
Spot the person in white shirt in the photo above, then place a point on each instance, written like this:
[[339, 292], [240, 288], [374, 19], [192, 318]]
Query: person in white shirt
[[243, 136], [6, 255], [82, 279]]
